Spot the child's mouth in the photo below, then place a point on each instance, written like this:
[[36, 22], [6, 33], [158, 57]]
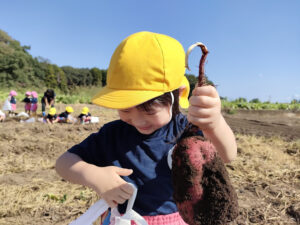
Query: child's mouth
[[144, 128]]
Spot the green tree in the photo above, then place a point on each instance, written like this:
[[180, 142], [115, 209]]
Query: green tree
[[240, 100], [50, 78], [60, 78], [96, 76], [255, 100], [104, 75]]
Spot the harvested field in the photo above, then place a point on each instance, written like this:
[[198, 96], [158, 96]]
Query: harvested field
[[266, 174]]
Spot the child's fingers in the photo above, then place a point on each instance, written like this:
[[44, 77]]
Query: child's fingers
[[207, 90], [123, 172], [203, 123], [120, 199], [201, 112], [111, 203], [203, 101], [127, 189], [124, 195]]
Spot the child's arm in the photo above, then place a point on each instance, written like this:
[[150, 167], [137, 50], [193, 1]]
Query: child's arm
[[106, 181], [205, 112], [46, 101], [55, 120], [52, 102]]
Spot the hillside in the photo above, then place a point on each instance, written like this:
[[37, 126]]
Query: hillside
[[19, 69]]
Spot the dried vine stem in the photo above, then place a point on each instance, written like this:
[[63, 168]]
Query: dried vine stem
[[201, 76]]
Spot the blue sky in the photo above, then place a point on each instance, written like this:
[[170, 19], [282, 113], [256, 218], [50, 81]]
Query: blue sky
[[254, 44]]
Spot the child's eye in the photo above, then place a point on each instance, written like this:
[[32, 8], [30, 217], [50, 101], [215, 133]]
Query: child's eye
[[151, 112], [124, 111]]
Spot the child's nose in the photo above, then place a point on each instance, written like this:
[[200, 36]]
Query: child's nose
[[139, 120]]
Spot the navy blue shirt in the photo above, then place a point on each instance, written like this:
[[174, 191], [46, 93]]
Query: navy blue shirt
[[12, 100], [51, 117], [120, 144], [64, 115], [34, 100], [26, 100], [82, 115]]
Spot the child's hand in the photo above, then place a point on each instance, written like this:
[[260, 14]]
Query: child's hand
[[205, 108], [110, 186]]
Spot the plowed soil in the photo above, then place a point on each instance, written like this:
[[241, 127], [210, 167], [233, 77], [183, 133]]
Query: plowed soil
[[266, 174]]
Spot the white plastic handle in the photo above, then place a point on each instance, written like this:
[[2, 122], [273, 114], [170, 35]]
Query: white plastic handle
[[91, 214], [101, 206], [132, 199]]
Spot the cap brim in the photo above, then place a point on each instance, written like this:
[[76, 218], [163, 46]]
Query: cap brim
[[183, 99], [123, 99]]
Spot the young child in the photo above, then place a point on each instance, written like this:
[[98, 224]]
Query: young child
[[27, 101], [146, 85], [13, 102], [52, 116], [85, 115], [2, 116], [34, 103], [66, 117]]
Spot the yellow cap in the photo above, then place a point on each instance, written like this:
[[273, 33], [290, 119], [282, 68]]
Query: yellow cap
[[52, 111], [85, 110], [69, 109], [144, 66]]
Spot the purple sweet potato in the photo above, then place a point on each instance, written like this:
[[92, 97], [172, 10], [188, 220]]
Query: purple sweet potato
[[202, 189]]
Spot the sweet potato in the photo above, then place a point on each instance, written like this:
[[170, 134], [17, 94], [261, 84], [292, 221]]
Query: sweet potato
[[202, 189]]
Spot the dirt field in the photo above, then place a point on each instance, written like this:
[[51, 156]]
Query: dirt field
[[266, 174]]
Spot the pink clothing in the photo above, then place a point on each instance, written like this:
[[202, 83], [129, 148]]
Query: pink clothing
[[34, 107], [171, 219], [28, 106], [13, 107]]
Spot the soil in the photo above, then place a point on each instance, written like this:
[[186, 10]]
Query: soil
[[32, 192], [265, 123]]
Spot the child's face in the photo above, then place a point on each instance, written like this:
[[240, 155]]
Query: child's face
[[146, 122]]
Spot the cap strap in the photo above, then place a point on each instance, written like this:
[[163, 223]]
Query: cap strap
[[172, 101]]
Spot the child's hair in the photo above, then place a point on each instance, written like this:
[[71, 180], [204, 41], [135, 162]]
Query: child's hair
[[164, 100]]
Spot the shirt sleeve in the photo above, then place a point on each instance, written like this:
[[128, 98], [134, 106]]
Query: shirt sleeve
[[90, 150]]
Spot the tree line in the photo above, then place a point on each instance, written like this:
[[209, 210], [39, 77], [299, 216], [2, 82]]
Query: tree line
[[18, 68]]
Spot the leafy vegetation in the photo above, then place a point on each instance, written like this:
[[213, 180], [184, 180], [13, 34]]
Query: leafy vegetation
[[255, 104]]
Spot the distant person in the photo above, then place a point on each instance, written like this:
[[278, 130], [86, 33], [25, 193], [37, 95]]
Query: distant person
[[2, 116], [34, 103], [66, 117], [85, 116], [52, 116], [27, 101], [48, 100], [13, 102]]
